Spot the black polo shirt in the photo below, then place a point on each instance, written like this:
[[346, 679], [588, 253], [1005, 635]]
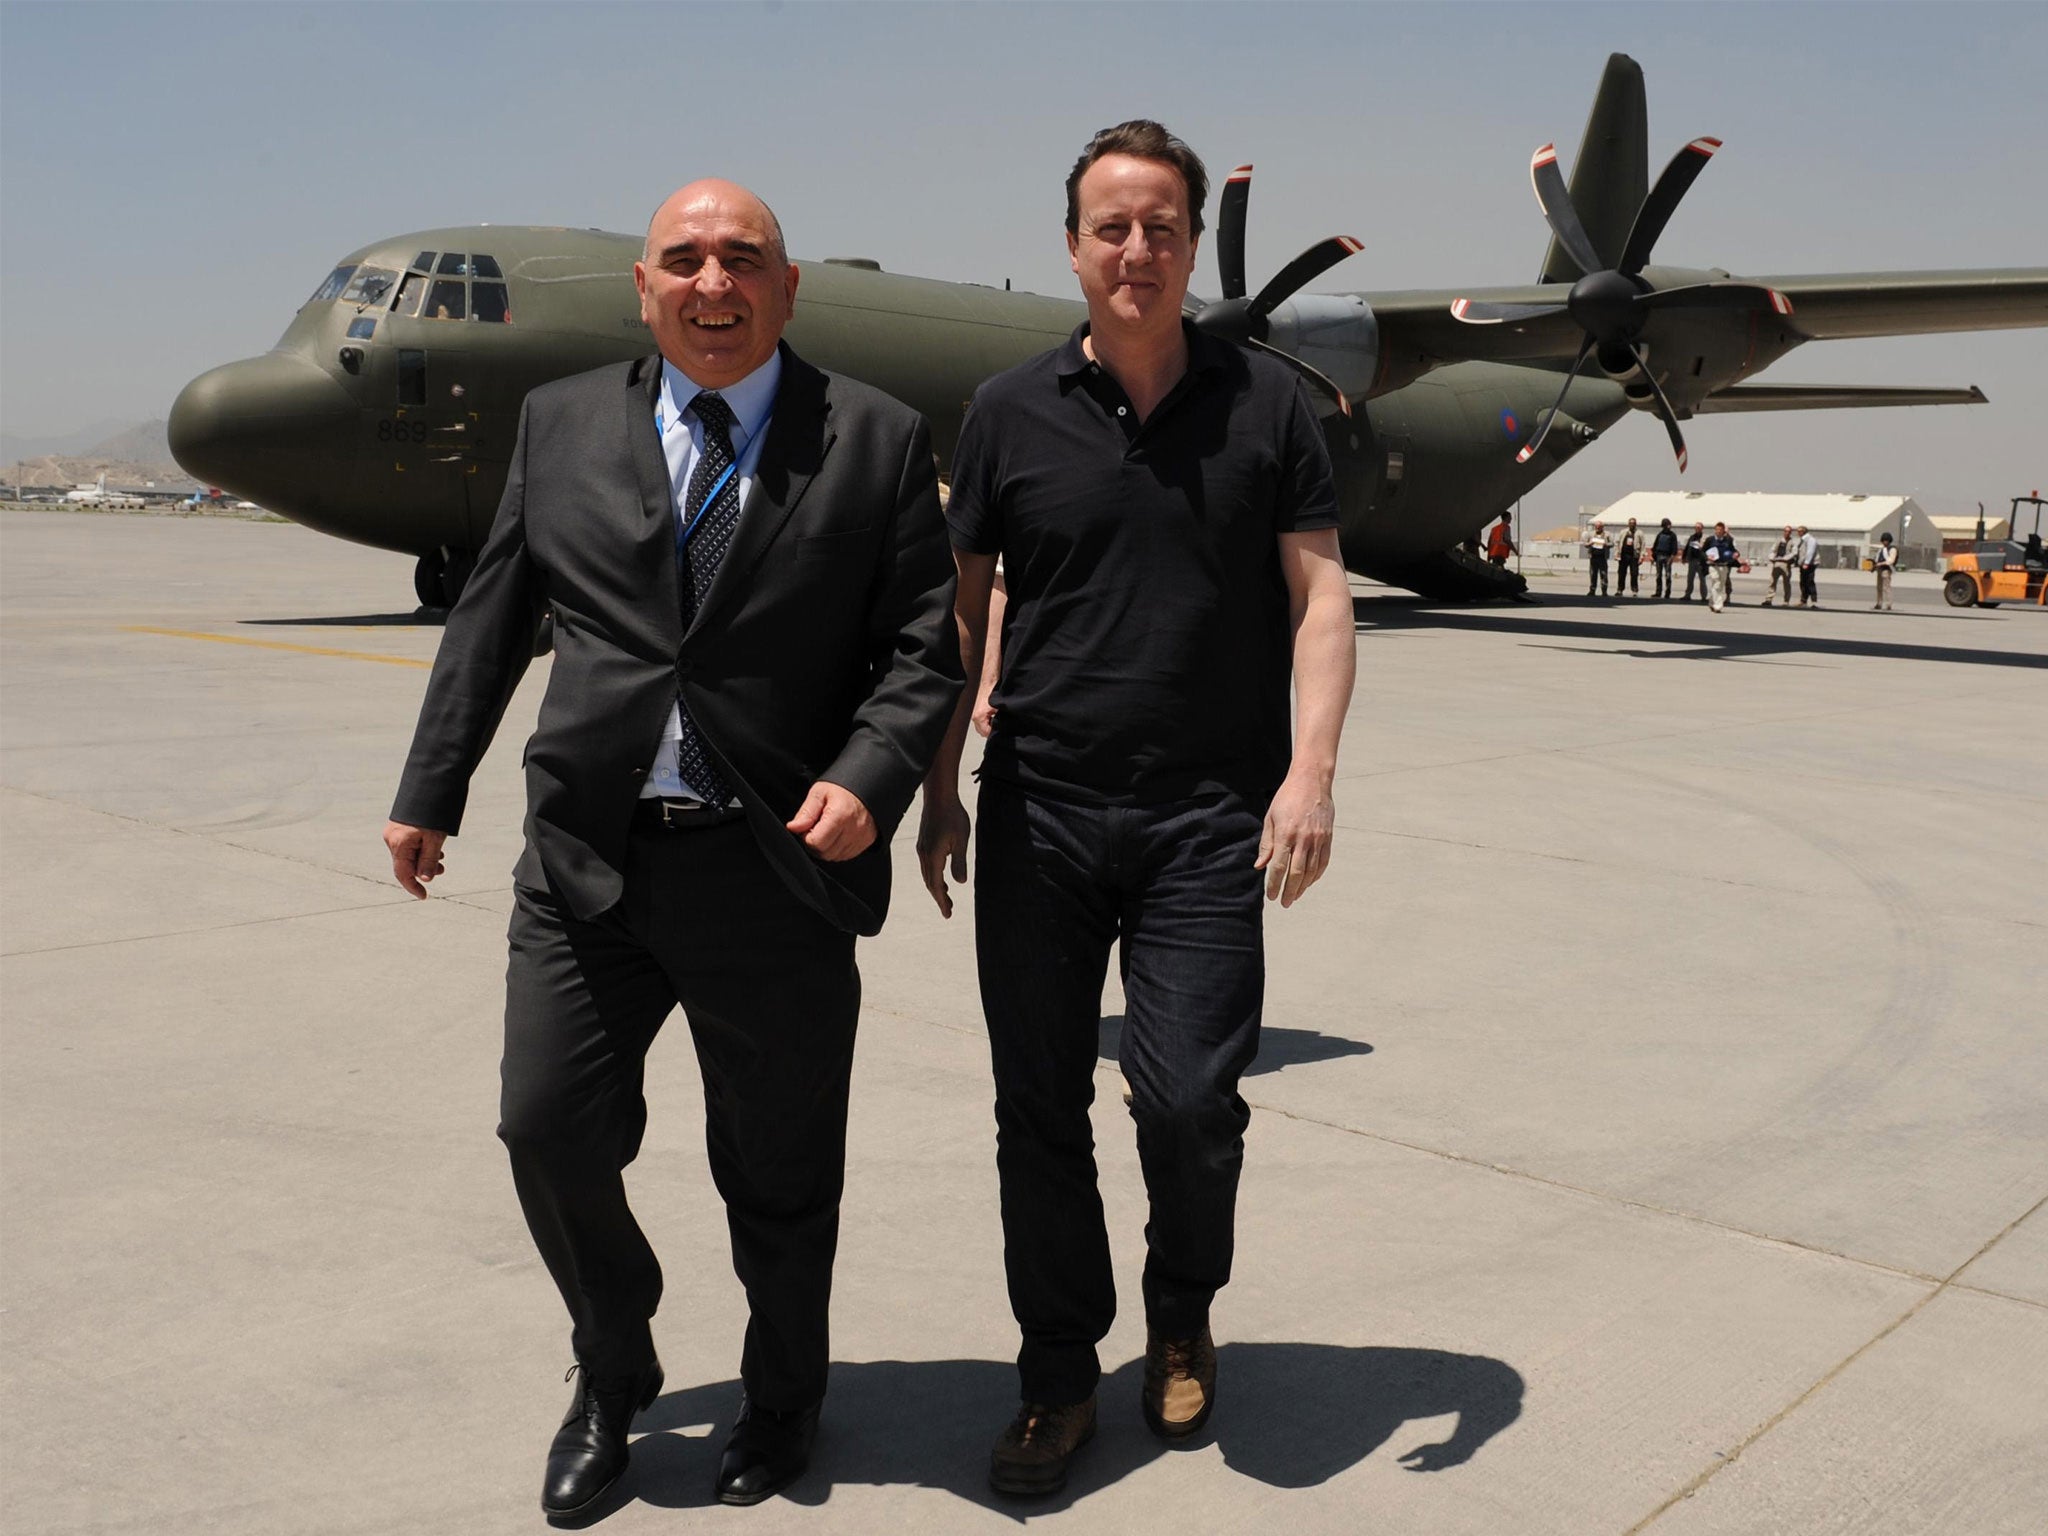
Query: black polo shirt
[[1146, 643]]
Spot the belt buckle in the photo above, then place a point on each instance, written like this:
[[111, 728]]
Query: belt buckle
[[674, 812]]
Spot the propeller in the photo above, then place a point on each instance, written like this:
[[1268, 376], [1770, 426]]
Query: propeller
[[1244, 320], [1612, 304]]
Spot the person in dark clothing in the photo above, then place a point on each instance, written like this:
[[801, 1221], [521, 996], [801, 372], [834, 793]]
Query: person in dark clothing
[[1663, 550], [1628, 557], [1696, 562], [1721, 558], [1163, 507]]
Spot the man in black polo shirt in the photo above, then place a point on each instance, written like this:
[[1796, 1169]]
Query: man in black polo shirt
[[1162, 505]]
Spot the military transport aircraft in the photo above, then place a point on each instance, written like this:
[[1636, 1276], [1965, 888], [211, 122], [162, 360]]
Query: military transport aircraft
[[387, 411]]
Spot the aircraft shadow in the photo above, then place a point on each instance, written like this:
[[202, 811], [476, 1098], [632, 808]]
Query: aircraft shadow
[[1278, 1047], [1709, 644], [430, 616], [1290, 1415]]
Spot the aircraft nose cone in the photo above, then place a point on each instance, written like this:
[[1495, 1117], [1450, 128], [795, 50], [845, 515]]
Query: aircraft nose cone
[[244, 425]]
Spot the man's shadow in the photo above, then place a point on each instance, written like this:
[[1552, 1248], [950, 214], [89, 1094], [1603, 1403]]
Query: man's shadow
[[1278, 1047], [1288, 1416]]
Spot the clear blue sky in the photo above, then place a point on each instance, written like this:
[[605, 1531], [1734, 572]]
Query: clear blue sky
[[175, 178]]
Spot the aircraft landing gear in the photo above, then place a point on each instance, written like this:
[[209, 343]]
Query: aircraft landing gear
[[438, 579]]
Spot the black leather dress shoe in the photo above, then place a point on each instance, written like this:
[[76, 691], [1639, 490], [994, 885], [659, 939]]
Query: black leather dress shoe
[[767, 1452], [590, 1452]]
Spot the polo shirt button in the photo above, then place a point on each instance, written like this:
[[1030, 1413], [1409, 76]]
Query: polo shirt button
[[1123, 410]]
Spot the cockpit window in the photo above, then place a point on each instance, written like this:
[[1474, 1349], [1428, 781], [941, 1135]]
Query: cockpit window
[[424, 262], [446, 301], [484, 266], [362, 328], [411, 289], [369, 286], [488, 302], [336, 281], [453, 264]]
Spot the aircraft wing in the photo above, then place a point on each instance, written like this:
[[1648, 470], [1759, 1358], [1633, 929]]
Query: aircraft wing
[[1849, 304], [1418, 331], [1824, 397]]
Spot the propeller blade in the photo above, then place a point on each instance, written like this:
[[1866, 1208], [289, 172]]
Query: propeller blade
[[1716, 296], [1662, 202], [1556, 204], [1664, 411], [1321, 380], [1484, 312], [1230, 208], [1303, 270], [1529, 448]]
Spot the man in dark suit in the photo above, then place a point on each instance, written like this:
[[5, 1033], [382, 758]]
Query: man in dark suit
[[754, 661]]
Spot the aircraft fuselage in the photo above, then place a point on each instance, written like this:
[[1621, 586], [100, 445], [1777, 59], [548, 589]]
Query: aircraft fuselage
[[387, 412]]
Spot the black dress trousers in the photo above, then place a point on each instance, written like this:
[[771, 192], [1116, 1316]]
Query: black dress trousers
[[771, 994]]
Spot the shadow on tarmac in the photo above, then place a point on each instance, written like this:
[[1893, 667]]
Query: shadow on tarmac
[[1288, 1415], [418, 616], [1278, 1047], [1709, 644]]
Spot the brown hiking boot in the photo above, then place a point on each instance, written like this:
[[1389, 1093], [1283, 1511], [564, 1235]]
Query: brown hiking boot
[[1031, 1456], [1180, 1383]]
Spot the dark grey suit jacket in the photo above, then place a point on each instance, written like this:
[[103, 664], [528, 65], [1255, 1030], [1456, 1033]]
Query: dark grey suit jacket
[[824, 649]]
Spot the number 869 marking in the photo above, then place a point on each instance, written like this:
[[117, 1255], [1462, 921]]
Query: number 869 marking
[[392, 430]]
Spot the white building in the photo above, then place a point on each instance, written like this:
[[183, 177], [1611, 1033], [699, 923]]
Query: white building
[[1847, 527]]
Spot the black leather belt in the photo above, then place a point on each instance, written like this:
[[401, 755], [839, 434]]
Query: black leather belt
[[655, 815]]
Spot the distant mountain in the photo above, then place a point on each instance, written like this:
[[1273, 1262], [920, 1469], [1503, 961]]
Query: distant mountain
[[60, 444], [145, 443]]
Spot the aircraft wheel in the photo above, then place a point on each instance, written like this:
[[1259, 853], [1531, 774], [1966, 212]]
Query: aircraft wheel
[[1960, 591], [426, 579]]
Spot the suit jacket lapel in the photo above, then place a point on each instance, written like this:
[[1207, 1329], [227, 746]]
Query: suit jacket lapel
[[657, 496], [799, 435]]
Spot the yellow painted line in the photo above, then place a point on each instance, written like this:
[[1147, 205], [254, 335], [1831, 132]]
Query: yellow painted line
[[274, 645]]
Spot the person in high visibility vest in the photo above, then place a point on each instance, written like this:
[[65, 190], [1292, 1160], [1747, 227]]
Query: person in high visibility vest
[[1500, 543]]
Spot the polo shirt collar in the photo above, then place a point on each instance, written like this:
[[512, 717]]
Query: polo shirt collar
[[1206, 353]]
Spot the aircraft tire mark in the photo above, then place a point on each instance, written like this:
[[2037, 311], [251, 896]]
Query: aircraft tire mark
[[276, 645]]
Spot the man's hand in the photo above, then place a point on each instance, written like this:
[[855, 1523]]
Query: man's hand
[[415, 855], [1294, 848], [833, 822], [941, 837]]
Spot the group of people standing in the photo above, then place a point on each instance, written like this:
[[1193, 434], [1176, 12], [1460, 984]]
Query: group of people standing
[[1712, 561], [762, 624]]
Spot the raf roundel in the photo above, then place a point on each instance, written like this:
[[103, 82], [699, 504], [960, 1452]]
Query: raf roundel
[[1510, 424]]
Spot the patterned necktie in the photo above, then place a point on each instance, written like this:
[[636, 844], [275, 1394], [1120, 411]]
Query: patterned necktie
[[699, 561]]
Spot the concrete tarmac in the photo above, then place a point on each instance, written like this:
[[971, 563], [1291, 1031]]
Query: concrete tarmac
[[1649, 1131]]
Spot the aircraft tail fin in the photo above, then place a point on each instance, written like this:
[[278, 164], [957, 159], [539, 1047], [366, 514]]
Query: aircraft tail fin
[[1611, 176]]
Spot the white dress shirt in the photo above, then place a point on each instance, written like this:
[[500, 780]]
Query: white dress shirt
[[682, 441]]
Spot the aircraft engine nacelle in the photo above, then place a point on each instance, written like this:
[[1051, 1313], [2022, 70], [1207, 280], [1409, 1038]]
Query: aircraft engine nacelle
[[1334, 333]]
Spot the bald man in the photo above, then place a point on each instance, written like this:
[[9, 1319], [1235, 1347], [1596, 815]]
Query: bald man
[[754, 662]]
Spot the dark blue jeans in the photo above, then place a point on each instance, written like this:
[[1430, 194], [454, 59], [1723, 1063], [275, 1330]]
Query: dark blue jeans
[[1056, 884]]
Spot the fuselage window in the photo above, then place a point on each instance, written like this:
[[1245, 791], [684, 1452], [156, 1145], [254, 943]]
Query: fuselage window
[[412, 376], [446, 302], [336, 281], [369, 286], [411, 289], [453, 264], [484, 266], [488, 302], [362, 328]]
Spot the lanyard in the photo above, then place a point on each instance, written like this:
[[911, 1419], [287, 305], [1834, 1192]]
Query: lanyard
[[718, 485]]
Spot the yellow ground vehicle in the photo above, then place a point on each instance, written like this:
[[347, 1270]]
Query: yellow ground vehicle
[[2001, 570]]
